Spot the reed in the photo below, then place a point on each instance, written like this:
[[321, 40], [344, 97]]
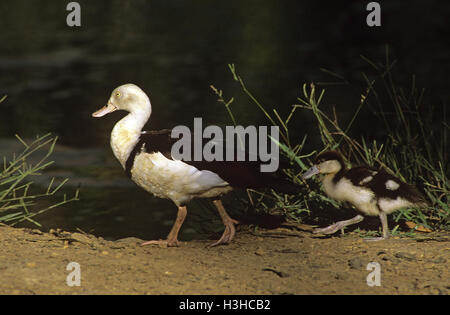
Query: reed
[[19, 201]]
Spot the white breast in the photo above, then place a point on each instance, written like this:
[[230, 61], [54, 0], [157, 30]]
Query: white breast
[[125, 135], [362, 198]]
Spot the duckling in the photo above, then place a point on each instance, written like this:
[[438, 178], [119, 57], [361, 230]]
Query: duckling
[[146, 158], [373, 192]]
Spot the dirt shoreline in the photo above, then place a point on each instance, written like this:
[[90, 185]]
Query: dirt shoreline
[[280, 261]]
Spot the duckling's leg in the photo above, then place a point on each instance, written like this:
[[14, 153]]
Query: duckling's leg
[[229, 223], [339, 225], [172, 238], [384, 225]]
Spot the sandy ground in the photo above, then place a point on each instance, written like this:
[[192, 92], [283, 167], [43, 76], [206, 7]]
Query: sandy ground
[[286, 260]]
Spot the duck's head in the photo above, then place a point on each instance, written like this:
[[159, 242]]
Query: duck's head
[[127, 97], [329, 162]]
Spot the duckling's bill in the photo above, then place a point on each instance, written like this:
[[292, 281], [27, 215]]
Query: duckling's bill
[[311, 172], [109, 108]]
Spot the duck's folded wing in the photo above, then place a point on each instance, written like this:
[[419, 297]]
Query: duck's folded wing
[[237, 173]]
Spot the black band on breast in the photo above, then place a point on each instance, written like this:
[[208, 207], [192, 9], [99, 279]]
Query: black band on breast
[[130, 161], [150, 141]]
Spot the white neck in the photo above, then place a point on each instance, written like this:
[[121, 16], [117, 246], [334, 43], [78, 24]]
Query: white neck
[[125, 134], [329, 186]]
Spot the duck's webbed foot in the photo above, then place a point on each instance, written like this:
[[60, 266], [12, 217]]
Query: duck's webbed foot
[[228, 234], [229, 223], [172, 238], [340, 225]]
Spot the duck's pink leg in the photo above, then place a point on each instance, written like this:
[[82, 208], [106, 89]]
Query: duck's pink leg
[[172, 238], [229, 223]]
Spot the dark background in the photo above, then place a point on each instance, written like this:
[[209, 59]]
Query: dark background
[[55, 75]]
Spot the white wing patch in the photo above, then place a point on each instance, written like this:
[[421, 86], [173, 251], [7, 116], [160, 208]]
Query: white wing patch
[[392, 185], [365, 180]]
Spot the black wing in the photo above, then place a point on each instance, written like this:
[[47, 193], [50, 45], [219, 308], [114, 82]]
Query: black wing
[[376, 181], [404, 190], [357, 175]]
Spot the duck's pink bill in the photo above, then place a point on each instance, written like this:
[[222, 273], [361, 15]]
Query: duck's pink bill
[[109, 108]]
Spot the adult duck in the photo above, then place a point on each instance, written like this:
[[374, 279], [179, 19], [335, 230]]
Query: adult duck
[[147, 160], [373, 192]]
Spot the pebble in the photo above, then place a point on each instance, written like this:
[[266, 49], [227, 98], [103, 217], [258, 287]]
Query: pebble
[[341, 276], [439, 260], [36, 231], [356, 263], [260, 252], [279, 273], [81, 238], [31, 264], [406, 256], [384, 256], [429, 265]]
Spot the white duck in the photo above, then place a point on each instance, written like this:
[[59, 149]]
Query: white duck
[[373, 192], [146, 158]]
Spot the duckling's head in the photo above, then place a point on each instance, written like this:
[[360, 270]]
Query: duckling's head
[[329, 162], [127, 97]]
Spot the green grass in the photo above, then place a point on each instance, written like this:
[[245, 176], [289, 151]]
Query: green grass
[[413, 149], [18, 197]]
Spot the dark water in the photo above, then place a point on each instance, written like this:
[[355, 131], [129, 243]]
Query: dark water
[[55, 76]]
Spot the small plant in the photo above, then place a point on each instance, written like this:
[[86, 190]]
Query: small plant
[[16, 199]]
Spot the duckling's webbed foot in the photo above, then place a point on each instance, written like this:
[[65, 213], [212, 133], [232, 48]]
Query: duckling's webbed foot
[[229, 223], [375, 239], [333, 228]]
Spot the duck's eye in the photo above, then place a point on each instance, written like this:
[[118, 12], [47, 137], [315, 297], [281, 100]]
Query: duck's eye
[[118, 94]]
